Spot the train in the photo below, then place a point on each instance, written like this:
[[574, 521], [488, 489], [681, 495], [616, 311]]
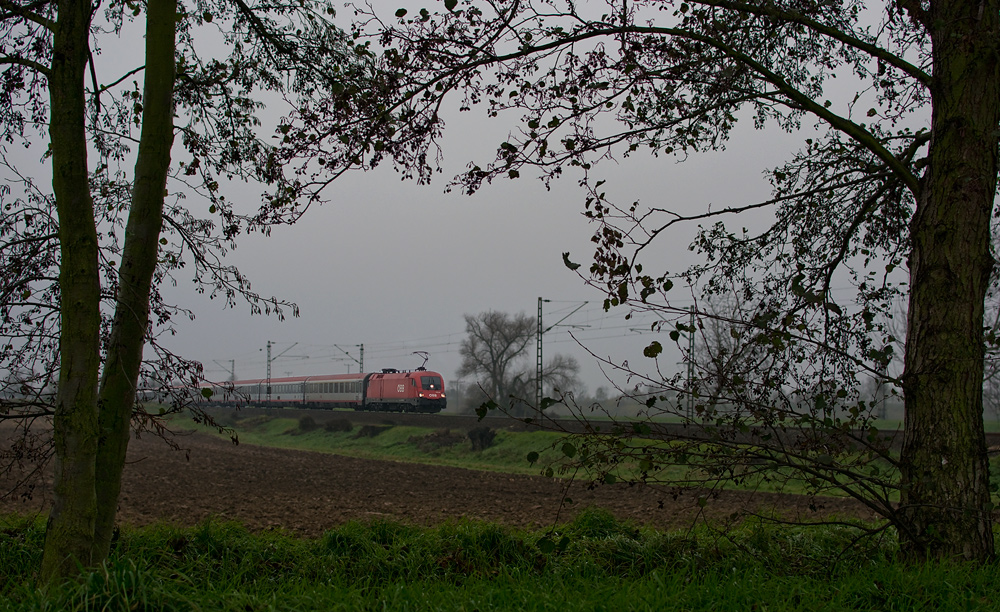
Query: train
[[389, 390]]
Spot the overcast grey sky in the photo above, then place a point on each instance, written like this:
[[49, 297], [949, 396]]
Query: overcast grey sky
[[395, 266]]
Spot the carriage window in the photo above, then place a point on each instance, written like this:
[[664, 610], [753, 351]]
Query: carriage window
[[430, 382]]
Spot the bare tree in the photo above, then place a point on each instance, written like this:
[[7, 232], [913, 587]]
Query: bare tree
[[494, 343], [495, 351], [725, 362]]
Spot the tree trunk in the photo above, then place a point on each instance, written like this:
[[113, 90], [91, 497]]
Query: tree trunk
[[139, 256], [945, 469], [70, 528]]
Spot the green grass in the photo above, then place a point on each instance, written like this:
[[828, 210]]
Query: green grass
[[508, 453], [593, 563]]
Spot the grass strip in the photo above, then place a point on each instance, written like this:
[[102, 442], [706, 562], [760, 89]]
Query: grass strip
[[507, 453], [593, 563]]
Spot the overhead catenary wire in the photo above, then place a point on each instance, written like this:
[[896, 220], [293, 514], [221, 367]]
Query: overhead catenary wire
[[591, 323]]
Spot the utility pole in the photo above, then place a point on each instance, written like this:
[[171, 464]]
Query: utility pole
[[270, 359], [538, 348], [538, 357]]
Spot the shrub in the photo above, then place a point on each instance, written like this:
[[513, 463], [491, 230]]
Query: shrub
[[482, 437], [370, 431], [307, 423], [433, 441], [339, 425]]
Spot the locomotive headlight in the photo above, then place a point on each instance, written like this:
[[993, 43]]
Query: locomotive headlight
[[420, 395]]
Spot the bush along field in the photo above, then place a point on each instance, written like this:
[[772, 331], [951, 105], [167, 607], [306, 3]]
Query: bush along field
[[593, 563], [481, 447]]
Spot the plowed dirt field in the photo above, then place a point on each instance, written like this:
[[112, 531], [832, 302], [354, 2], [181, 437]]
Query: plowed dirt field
[[307, 493]]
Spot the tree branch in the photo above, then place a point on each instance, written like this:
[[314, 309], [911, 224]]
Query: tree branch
[[766, 9], [27, 63], [27, 12]]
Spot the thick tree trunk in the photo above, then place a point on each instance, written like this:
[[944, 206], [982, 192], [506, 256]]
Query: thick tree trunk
[[139, 256], [70, 529], [945, 473]]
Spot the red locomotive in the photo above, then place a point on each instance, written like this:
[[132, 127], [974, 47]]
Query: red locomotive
[[418, 390]]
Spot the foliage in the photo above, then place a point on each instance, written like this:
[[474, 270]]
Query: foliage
[[268, 52], [858, 200], [307, 424], [339, 425], [84, 259], [606, 563], [432, 442], [411, 444], [371, 431], [482, 437]]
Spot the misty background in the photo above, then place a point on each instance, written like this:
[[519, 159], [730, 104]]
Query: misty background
[[395, 266]]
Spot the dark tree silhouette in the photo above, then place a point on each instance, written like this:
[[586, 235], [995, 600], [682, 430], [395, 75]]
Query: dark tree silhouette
[[894, 197], [81, 263]]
